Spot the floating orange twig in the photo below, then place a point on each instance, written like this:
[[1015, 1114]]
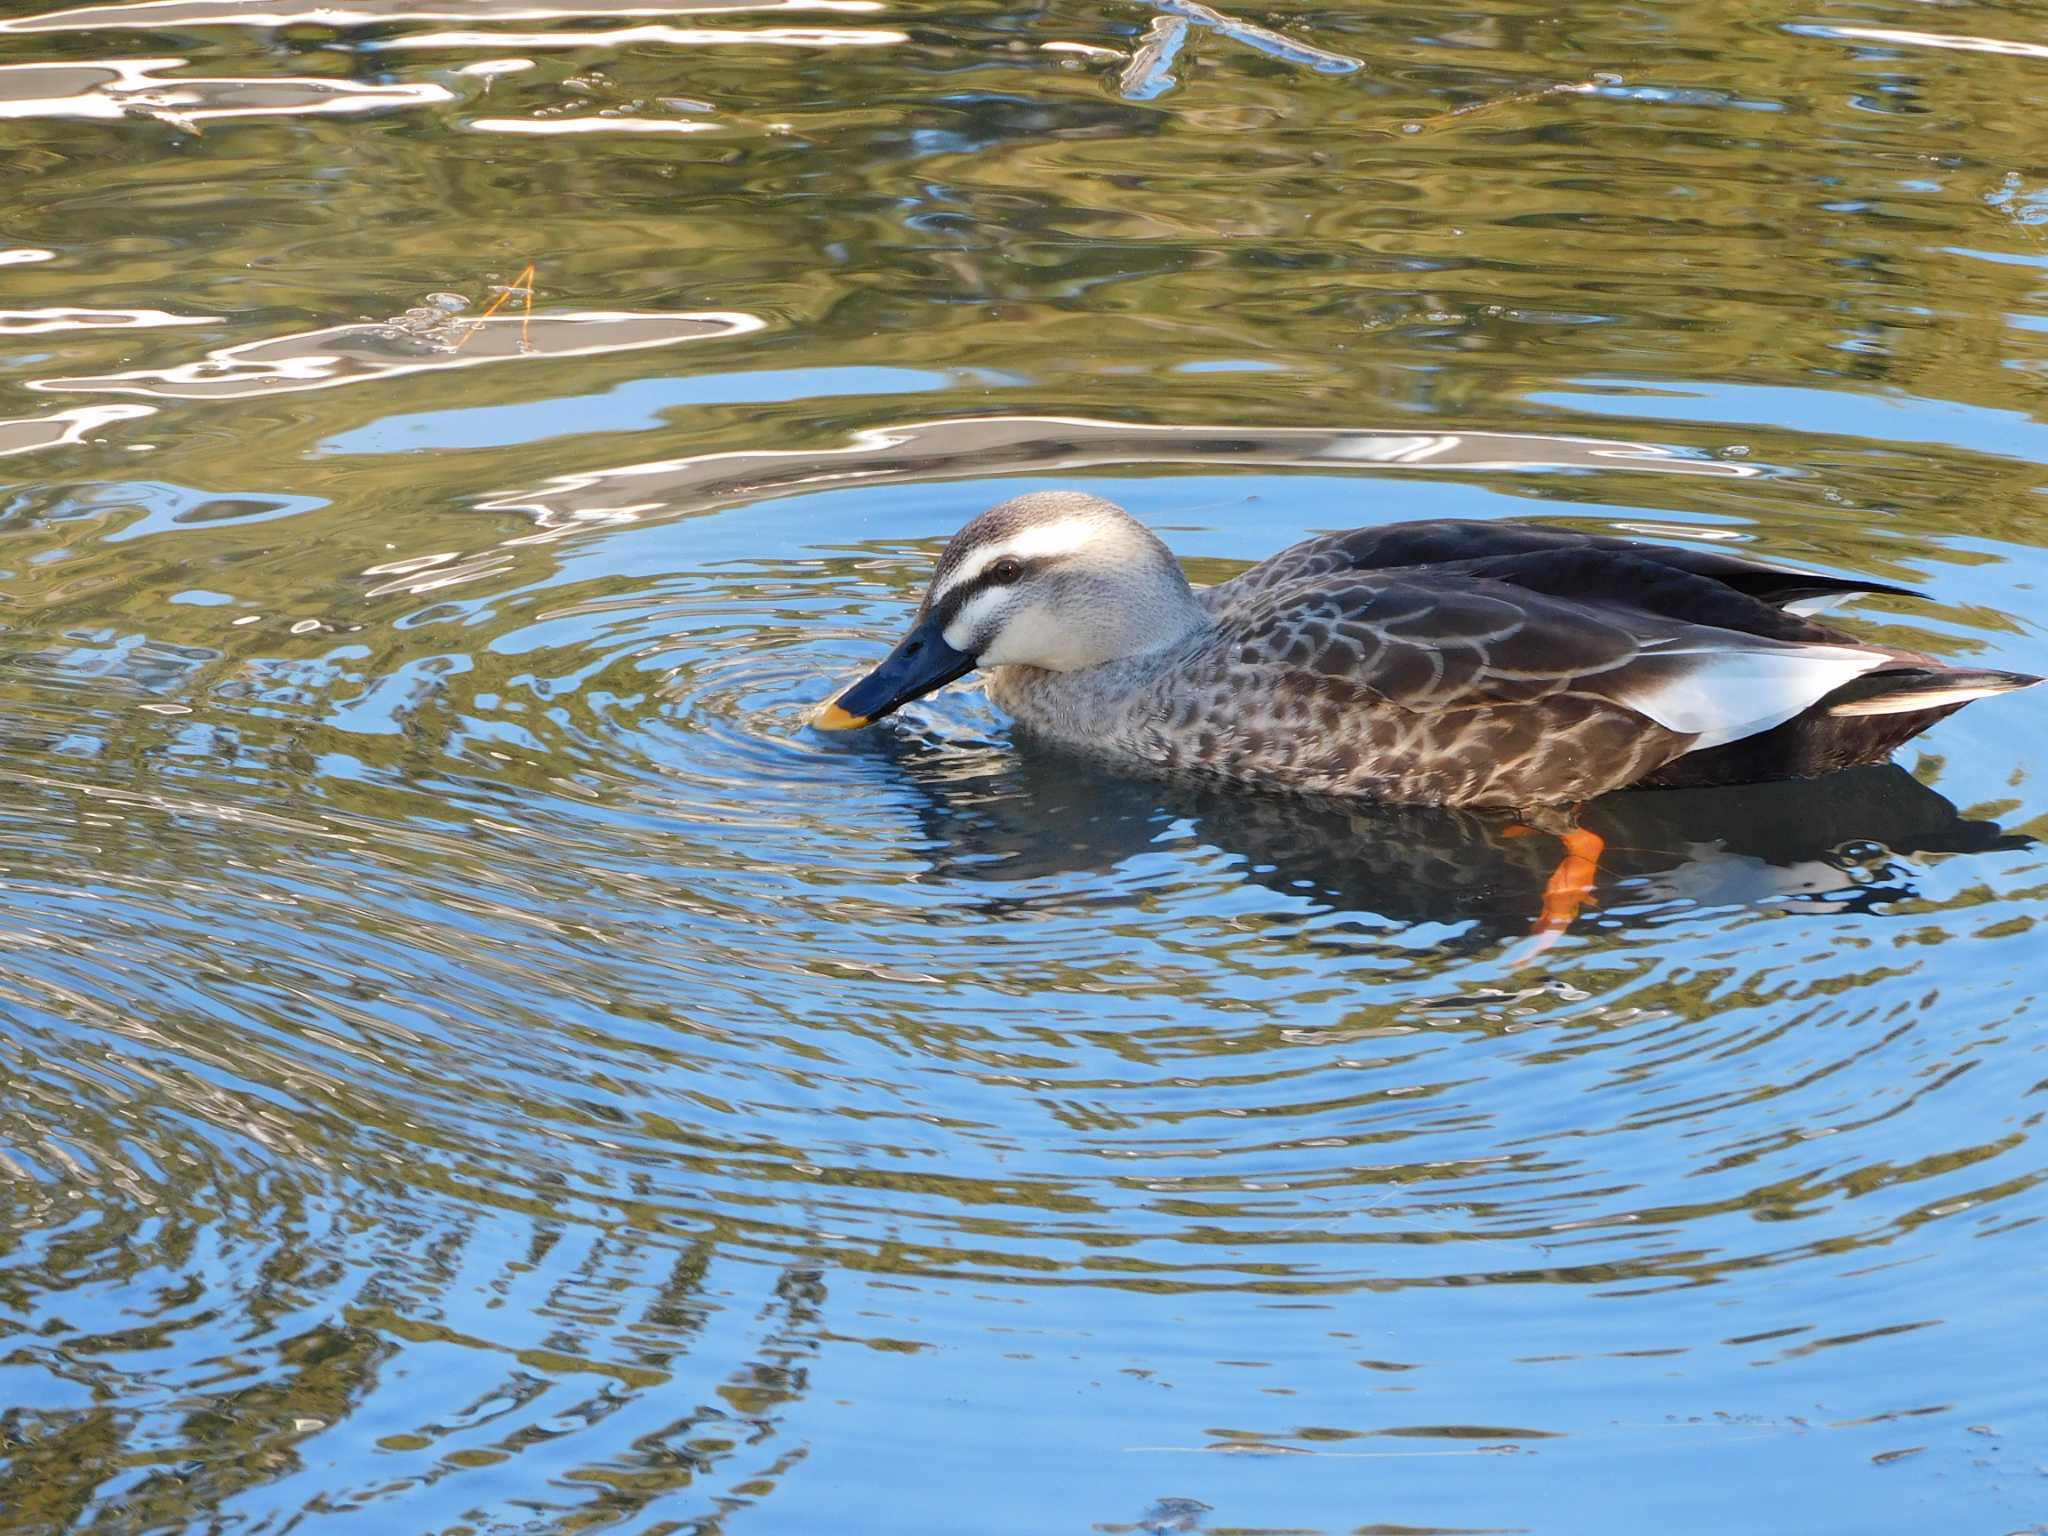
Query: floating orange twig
[[523, 285], [1472, 108]]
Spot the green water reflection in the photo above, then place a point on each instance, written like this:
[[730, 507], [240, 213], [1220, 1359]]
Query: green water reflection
[[471, 1061]]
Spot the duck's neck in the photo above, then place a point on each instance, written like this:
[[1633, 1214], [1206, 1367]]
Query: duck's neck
[[1107, 707], [1171, 622]]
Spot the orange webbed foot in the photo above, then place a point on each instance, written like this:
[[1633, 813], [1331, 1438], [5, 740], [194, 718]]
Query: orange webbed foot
[[1569, 889], [1570, 886]]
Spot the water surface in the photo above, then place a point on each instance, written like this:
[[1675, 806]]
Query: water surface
[[472, 1061]]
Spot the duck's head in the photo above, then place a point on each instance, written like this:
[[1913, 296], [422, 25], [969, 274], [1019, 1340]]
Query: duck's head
[[1056, 579]]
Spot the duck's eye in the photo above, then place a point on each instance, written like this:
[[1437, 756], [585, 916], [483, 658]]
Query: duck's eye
[[1006, 572]]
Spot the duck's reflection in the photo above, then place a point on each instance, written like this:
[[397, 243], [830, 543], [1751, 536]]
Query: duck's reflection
[[1849, 842]]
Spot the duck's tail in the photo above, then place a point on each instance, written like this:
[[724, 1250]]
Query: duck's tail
[[1918, 689], [1863, 721]]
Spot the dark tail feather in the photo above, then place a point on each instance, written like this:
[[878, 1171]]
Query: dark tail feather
[[1920, 688], [1863, 721]]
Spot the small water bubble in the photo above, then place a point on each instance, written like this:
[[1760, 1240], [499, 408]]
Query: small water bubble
[[306, 626]]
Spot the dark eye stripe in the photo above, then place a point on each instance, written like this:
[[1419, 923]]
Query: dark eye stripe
[[955, 600]]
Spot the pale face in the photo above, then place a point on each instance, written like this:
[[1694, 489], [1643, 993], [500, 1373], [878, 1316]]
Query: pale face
[[1001, 603], [1055, 580]]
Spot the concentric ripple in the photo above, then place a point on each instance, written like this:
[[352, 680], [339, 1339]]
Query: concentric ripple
[[573, 957], [473, 1059]]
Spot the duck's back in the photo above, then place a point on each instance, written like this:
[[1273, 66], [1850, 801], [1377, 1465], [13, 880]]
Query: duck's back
[[1706, 586], [1513, 665], [1410, 686]]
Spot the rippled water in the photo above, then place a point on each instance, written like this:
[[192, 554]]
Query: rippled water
[[472, 1061]]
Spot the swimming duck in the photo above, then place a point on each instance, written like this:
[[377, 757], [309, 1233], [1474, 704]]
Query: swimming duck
[[1473, 664], [1489, 665], [1442, 663]]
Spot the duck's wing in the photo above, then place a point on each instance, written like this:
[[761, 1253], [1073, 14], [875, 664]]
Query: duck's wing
[[1472, 688], [1567, 559], [1435, 640]]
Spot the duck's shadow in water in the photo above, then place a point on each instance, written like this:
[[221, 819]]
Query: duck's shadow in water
[[1031, 815]]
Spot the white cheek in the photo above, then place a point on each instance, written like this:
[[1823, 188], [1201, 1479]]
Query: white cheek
[[973, 618], [1032, 637]]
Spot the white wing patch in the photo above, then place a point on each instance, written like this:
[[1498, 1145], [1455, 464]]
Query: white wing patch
[[1725, 695], [1807, 607]]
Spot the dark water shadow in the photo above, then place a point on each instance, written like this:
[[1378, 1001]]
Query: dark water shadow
[[1847, 843]]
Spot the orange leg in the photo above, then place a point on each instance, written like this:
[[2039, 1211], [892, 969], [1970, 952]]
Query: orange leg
[[1571, 883], [1569, 889]]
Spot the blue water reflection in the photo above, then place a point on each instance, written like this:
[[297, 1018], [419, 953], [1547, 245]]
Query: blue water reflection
[[637, 406], [472, 1060]]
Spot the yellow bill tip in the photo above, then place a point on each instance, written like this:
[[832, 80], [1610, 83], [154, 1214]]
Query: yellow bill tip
[[833, 718]]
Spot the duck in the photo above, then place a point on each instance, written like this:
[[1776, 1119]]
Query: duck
[[1494, 666]]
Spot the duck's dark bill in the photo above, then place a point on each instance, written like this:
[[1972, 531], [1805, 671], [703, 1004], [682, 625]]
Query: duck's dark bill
[[922, 662]]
